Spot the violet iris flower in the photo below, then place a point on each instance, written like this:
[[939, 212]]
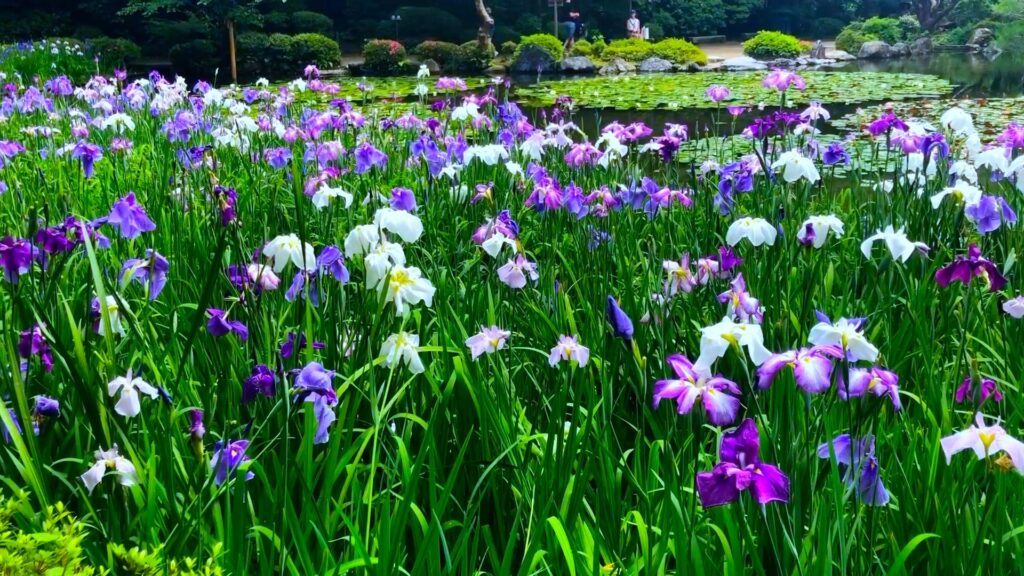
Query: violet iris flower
[[46, 407], [503, 224], [875, 380], [226, 199], [313, 385], [965, 268], [812, 368], [229, 457], [718, 93], [278, 158], [31, 343], [367, 157], [740, 469], [782, 80], [742, 306], [260, 381], [150, 272], [857, 463], [403, 199], [219, 325], [297, 342], [129, 217], [987, 389], [989, 213], [622, 326], [88, 154], [15, 257], [718, 395], [196, 428], [835, 154]]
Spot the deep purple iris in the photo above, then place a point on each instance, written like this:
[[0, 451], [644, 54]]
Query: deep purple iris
[[621, 325], [88, 154], [859, 467], [226, 199], [228, 458], [260, 381], [740, 469], [368, 157], [150, 272], [218, 324], [965, 268], [128, 216], [15, 257], [297, 341], [31, 343], [835, 154]]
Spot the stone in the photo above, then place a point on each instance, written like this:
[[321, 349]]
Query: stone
[[819, 52], [981, 37], [743, 63], [617, 66], [533, 60], [875, 50], [900, 50], [578, 65], [922, 46], [840, 56], [432, 65], [655, 64]]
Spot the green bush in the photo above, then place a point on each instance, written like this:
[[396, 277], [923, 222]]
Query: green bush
[[528, 24], [277, 22], [444, 53], [252, 55], [504, 34], [306, 21], [629, 49], [852, 38], [420, 23], [195, 59], [886, 29], [472, 58], [115, 51], [910, 28], [771, 44], [679, 51], [33, 25], [599, 46], [313, 48], [545, 42], [279, 57], [508, 48], [162, 34], [1010, 37], [582, 48], [827, 27], [384, 57]]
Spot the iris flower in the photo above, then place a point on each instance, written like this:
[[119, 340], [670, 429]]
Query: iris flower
[[150, 272], [31, 343], [113, 309], [812, 368], [516, 271], [488, 340], [875, 380], [110, 460], [129, 217], [719, 396], [621, 325], [740, 469], [402, 348], [757, 230], [896, 241], [129, 387], [847, 335], [742, 306], [407, 286], [965, 268], [218, 324], [288, 248], [987, 389], [569, 349], [680, 277], [814, 231], [859, 467], [985, 441], [716, 339], [1015, 307], [228, 458], [795, 166], [260, 381]]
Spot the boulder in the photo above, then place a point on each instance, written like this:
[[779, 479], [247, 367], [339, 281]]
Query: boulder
[[533, 60], [578, 65], [743, 63], [875, 50], [432, 65], [982, 37], [655, 64], [819, 52], [922, 46], [840, 56], [617, 66], [900, 50]]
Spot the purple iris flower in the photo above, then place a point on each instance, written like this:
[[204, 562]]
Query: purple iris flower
[[229, 457], [735, 177], [575, 201], [812, 368], [150, 272], [31, 343], [46, 407], [367, 157], [582, 154], [987, 389], [403, 199], [179, 128], [965, 268], [742, 306], [859, 467], [782, 80], [502, 224], [9, 149], [875, 380], [740, 469], [278, 158], [59, 86], [219, 325], [989, 213], [295, 342], [17, 425], [718, 396], [196, 428], [330, 261], [128, 216], [622, 326], [835, 154], [226, 199], [15, 257], [88, 154], [260, 381], [313, 384], [718, 93], [885, 124], [546, 196]]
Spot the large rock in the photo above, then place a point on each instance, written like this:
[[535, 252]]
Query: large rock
[[982, 37], [617, 66], [875, 50], [655, 64], [900, 50], [578, 65], [432, 66], [922, 46], [533, 60], [840, 56], [743, 63], [819, 52]]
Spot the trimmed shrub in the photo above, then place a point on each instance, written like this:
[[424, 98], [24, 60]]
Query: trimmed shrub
[[383, 57], [444, 53], [252, 55], [195, 59], [582, 48], [508, 48], [472, 58], [852, 38], [910, 28], [306, 21], [771, 44], [115, 51], [546, 42], [679, 51], [887, 29], [277, 22], [162, 34], [312, 48], [279, 57], [629, 49], [599, 46]]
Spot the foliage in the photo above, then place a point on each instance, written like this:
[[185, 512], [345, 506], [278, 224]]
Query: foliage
[[277, 21], [1010, 37], [115, 51], [771, 44], [312, 48], [195, 58], [886, 29], [508, 48], [472, 59], [673, 91], [306, 21], [545, 42], [827, 27], [629, 49], [33, 24], [383, 57], [582, 47], [278, 57], [163, 33], [599, 47], [256, 58], [31, 59], [445, 54], [55, 547], [678, 51], [421, 23], [852, 38]]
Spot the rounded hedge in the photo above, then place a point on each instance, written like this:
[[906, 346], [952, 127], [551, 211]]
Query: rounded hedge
[[546, 42], [629, 49], [444, 53], [582, 48], [678, 51], [313, 48], [771, 44], [251, 54], [472, 58], [384, 57], [852, 38], [306, 21]]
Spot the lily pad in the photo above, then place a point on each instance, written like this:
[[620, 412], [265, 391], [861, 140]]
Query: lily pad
[[991, 115]]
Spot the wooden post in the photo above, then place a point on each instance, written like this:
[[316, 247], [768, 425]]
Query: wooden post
[[231, 50]]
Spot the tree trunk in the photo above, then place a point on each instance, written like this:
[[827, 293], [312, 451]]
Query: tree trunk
[[231, 50], [483, 37], [931, 13]]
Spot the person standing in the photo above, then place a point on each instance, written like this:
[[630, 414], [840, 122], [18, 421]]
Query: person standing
[[633, 25], [573, 29]]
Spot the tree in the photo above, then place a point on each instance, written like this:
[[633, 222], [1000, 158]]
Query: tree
[[931, 13], [483, 36]]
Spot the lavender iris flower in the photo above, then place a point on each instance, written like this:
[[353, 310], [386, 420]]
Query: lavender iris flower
[[45, 407], [875, 380], [718, 396], [228, 458], [88, 154], [313, 384], [403, 199], [15, 257], [278, 158], [987, 389], [812, 368], [128, 216], [150, 272], [857, 462], [965, 268], [31, 343], [367, 157], [740, 469], [260, 381], [218, 324], [622, 326], [989, 213]]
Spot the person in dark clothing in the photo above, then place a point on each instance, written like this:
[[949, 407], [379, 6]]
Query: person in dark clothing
[[573, 29]]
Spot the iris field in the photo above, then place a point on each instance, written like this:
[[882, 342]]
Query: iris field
[[274, 331]]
